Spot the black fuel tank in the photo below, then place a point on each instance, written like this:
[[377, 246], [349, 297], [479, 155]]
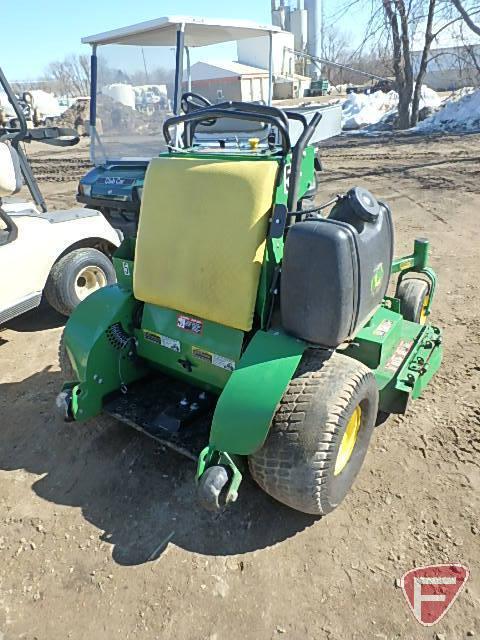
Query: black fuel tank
[[336, 270]]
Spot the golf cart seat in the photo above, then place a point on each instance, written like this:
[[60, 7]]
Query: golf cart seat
[[202, 234], [11, 180]]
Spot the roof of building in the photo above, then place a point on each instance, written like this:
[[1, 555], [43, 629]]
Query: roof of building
[[452, 36], [199, 32]]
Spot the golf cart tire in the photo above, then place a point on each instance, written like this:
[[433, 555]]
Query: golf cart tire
[[296, 465], [60, 288], [412, 293]]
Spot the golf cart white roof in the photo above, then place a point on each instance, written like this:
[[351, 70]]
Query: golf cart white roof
[[199, 32]]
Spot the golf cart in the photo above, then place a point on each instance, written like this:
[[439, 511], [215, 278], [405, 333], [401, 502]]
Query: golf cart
[[123, 140], [245, 333], [65, 255]]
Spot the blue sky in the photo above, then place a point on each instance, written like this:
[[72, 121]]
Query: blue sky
[[55, 31]]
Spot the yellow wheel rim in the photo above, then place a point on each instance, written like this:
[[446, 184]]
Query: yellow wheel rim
[[349, 441], [423, 313]]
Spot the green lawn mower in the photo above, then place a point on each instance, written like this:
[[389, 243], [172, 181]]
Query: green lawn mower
[[247, 333]]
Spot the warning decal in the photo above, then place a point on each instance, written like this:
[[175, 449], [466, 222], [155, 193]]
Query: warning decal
[[213, 358], [164, 341], [383, 328], [200, 354], [399, 356], [193, 325], [223, 363]]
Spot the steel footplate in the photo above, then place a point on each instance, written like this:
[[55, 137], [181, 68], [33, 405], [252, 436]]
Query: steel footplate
[[171, 412]]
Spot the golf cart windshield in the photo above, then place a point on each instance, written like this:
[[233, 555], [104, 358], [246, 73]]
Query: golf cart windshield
[[140, 72], [132, 98]]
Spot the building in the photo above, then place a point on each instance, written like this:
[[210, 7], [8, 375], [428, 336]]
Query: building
[[255, 52], [295, 87], [454, 59], [450, 68], [223, 80], [288, 83]]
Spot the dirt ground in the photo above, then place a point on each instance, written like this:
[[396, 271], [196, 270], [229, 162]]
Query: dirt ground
[[100, 535]]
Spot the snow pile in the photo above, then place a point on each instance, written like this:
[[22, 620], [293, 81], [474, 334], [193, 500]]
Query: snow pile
[[5, 105], [459, 113], [361, 110], [429, 98], [46, 103]]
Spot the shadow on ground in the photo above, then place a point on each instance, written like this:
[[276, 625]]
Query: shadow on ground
[[139, 495], [39, 319]]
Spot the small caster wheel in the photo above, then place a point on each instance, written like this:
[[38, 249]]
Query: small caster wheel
[[63, 405], [212, 487], [414, 296]]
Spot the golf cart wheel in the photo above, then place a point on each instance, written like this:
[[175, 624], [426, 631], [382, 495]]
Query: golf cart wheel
[[75, 276], [414, 296], [320, 434]]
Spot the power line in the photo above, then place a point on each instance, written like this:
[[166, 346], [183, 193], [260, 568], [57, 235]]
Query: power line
[[334, 64]]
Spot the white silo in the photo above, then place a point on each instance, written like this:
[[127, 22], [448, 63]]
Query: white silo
[[122, 93], [315, 29], [299, 26]]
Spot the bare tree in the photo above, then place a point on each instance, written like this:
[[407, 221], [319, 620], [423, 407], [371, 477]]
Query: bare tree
[[71, 75], [405, 19], [402, 64], [467, 11], [334, 47], [422, 70], [403, 25]]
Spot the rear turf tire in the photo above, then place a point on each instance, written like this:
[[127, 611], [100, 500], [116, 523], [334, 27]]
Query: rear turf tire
[[413, 295], [62, 290], [297, 464]]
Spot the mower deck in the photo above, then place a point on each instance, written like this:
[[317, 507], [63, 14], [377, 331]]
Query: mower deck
[[171, 412]]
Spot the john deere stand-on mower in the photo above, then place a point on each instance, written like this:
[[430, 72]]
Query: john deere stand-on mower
[[246, 333]]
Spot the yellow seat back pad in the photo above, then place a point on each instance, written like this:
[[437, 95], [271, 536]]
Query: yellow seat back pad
[[201, 237]]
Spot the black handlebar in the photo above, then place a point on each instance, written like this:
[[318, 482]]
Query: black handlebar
[[259, 109], [56, 136], [294, 115], [218, 111], [257, 113], [193, 101], [14, 137], [298, 150]]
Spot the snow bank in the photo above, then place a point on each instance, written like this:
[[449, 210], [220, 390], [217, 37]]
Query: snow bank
[[360, 110], [46, 103], [6, 105], [429, 98], [459, 113]]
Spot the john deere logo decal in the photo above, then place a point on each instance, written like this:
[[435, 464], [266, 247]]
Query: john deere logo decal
[[377, 279]]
